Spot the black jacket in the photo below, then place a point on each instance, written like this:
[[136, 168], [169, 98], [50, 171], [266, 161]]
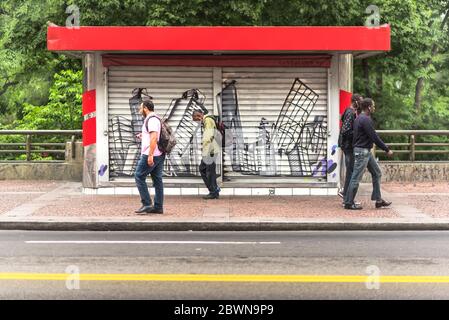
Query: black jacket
[[365, 135], [346, 132]]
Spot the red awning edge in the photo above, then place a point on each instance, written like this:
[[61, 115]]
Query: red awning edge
[[219, 39]]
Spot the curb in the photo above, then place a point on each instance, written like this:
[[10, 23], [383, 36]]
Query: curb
[[221, 226]]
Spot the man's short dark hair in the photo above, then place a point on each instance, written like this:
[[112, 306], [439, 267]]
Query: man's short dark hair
[[366, 103], [148, 104]]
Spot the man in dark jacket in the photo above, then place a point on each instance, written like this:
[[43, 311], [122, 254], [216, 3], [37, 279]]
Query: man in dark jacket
[[364, 137], [345, 139]]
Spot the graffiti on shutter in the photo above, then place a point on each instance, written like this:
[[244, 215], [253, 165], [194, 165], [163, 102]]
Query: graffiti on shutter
[[296, 136]]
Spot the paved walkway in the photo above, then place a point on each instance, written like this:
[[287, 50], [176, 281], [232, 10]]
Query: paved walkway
[[54, 202]]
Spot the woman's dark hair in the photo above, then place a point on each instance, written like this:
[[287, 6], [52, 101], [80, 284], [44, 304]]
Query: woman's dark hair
[[148, 104], [366, 104], [355, 99]]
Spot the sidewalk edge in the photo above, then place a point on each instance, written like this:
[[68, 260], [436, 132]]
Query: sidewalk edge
[[220, 226]]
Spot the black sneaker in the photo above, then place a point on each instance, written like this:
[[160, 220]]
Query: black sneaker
[[383, 204], [356, 203], [353, 207], [154, 210], [211, 196]]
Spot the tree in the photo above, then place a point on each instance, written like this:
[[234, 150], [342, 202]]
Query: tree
[[391, 78], [436, 46], [63, 110], [26, 66], [409, 83]]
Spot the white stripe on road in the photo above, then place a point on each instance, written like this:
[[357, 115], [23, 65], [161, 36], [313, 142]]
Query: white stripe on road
[[146, 242]]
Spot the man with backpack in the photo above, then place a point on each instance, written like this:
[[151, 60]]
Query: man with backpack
[[210, 152], [151, 161]]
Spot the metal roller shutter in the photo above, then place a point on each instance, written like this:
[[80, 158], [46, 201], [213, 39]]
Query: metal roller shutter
[[166, 85], [278, 122]]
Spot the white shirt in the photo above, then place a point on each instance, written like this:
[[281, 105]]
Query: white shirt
[[154, 125]]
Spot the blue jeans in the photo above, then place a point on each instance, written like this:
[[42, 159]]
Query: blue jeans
[[349, 164], [363, 159], [142, 171]]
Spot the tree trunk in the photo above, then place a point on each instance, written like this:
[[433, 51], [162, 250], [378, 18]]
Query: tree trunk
[[420, 83], [365, 67], [418, 91], [379, 88], [380, 81]]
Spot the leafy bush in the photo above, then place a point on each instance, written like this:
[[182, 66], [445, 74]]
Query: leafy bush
[[62, 112]]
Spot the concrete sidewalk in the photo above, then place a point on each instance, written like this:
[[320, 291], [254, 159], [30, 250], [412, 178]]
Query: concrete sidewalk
[[55, 205]]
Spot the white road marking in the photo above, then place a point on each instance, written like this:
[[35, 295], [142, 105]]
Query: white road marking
[[147, 242]]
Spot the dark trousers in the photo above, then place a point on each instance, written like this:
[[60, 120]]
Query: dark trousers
[[156, 170], [363, 159], [349, 165], [209, 175]]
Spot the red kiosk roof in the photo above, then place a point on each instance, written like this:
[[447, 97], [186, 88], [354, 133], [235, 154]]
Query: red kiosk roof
[[219, 39]]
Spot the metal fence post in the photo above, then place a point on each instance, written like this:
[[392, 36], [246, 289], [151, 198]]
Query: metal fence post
[[412, 147], [28, 147], [72, 141]]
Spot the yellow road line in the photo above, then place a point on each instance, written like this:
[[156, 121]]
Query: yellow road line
[[223, 278]]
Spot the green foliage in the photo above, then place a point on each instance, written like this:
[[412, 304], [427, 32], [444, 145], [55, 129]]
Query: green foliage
[[205, 12], [26, 66], [63, 110], [420, 49], [416, 28]]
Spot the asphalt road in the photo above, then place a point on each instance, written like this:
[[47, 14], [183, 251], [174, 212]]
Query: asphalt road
[[224, 265]]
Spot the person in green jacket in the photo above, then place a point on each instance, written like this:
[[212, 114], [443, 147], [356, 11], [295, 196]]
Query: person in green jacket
[[210, 153]]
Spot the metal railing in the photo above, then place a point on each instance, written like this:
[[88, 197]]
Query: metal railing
[[28, 147], [413, 147]]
